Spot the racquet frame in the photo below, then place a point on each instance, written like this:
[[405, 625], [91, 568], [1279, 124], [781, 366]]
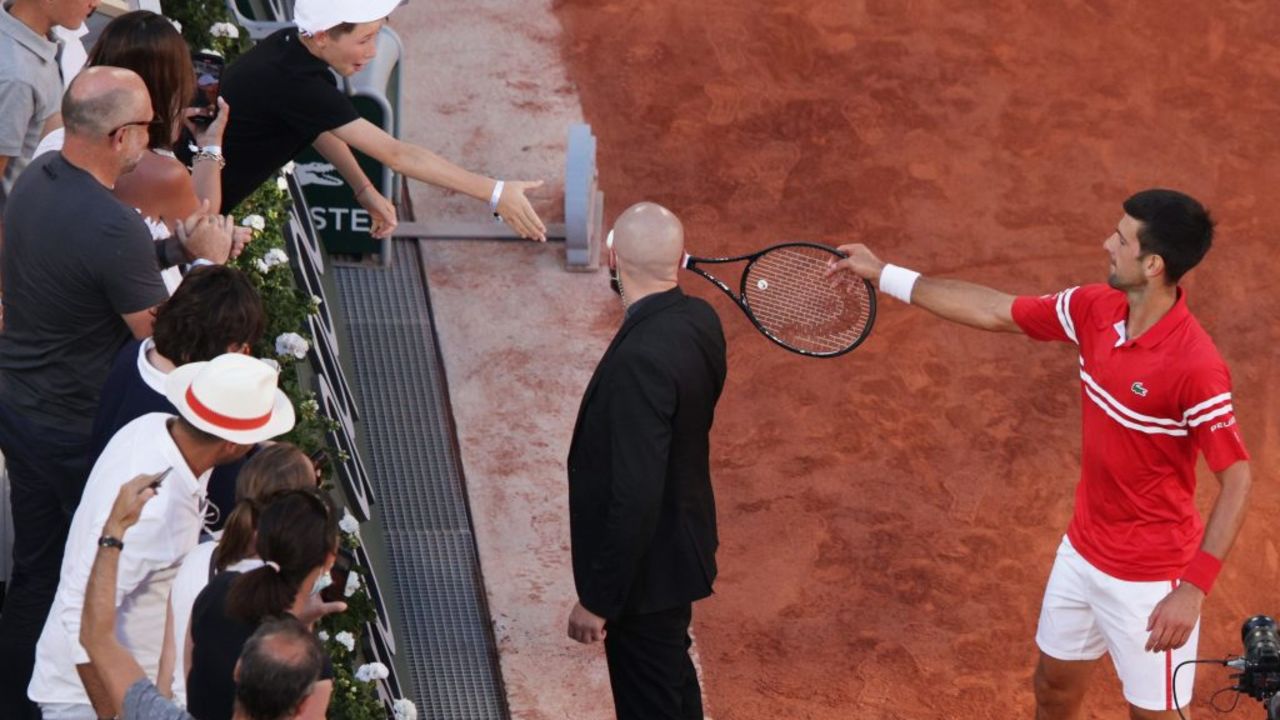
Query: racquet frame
[[691, 262]]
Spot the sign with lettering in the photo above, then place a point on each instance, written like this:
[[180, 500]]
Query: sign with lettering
[[337, 401], [334, 212]]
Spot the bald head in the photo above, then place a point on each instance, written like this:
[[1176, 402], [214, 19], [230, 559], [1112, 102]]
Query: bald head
[[102, 98], [649, 242]]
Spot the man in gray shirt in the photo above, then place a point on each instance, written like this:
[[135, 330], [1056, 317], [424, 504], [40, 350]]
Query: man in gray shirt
[[30, 81], [81, 275], [277, 670]]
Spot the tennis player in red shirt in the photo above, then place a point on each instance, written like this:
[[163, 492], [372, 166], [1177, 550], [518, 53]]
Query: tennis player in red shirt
[[1137, 560]]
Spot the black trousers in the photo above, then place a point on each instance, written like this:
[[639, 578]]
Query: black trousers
[[649, 666], [47, 472]]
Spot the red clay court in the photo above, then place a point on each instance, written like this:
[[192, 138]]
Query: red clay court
[[888, 519]]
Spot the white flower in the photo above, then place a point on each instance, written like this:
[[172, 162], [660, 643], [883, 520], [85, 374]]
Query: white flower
[[353, 584], [404, 709], [348, 524], [176, 25], [270, 259], [324, 636], [257, 222], [309, 406], [292, 344], [346, 640], [372, 671], [282, 183], [224, 29]]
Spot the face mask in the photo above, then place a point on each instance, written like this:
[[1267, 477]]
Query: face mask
[[322, 582]]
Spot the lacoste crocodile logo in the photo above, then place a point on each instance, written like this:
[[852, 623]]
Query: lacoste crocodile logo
[[1138, 389]]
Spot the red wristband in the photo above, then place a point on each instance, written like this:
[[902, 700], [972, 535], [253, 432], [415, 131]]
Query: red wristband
[[1202, 571]]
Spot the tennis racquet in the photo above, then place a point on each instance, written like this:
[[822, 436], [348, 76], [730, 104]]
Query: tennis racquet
[[785, 293]]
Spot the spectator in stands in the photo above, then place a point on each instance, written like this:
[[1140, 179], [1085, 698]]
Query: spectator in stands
[[298, 542], [215, 310], [224, 407], [286, 99], [161, 187], [274, 469], [79, 276], [30, 81], [275, 674]]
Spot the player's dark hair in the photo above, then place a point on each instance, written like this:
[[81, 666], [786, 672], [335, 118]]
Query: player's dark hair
[[1175, 226], [214, 309]]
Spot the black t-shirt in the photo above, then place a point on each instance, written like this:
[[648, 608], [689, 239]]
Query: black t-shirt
[[216, 644], [75, 259], [282, 98]]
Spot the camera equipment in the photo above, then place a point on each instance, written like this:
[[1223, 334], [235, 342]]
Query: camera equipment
[[1259, 675], [1259, 667]]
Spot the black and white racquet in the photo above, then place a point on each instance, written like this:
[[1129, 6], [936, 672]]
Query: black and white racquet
[[786, 294]]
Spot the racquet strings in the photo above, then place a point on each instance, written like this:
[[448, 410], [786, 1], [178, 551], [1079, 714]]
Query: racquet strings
[[791, 298]]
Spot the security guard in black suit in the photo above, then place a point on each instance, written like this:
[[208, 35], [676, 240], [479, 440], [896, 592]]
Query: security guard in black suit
[[642, 512]]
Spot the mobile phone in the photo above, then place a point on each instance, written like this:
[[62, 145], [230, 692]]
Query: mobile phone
[[340, 571], [208, 69], [320, 461], [155, 484]]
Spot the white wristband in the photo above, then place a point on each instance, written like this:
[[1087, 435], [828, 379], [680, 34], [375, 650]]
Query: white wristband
[[496, 196], [898, 282], [212, 149]]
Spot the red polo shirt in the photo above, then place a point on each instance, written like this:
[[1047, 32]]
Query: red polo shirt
[[1149, 404]]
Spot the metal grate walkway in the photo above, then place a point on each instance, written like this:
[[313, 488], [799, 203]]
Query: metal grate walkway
[[416, 473]]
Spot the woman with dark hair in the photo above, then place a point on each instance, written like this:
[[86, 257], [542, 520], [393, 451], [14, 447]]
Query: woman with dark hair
[[161, 187], [297, 542], [274, 469]]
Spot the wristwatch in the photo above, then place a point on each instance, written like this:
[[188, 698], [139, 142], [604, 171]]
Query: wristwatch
[[107, 541]]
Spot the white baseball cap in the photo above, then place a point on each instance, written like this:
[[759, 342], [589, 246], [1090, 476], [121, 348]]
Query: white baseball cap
[[313, 16], [232, 396]]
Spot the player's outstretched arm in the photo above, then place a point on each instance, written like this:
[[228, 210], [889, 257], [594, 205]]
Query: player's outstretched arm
[[955, 300], [423, 165]]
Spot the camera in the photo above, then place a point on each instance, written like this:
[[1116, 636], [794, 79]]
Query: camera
[[1259, 676]]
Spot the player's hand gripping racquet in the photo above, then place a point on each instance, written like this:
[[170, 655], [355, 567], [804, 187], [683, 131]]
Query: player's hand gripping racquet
[[785, 293]]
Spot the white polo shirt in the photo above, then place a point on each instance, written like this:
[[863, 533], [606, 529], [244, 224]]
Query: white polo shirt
[[168, 528]]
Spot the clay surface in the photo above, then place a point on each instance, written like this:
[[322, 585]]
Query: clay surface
[[889, 518]]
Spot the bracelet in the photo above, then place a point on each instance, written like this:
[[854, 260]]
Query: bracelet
[[496, 196], [204, 154], [1203, 571], [106, 541], [897, 282]]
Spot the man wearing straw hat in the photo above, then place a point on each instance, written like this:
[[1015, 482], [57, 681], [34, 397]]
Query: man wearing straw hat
[[225, 406]]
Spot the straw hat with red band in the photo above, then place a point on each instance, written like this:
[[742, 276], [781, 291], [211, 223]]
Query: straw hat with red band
[[232, 396]]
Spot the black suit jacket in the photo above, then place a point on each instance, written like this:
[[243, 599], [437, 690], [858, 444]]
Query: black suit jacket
[[642, 514]]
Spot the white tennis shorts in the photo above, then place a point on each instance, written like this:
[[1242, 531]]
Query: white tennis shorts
[[1087, 613]]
